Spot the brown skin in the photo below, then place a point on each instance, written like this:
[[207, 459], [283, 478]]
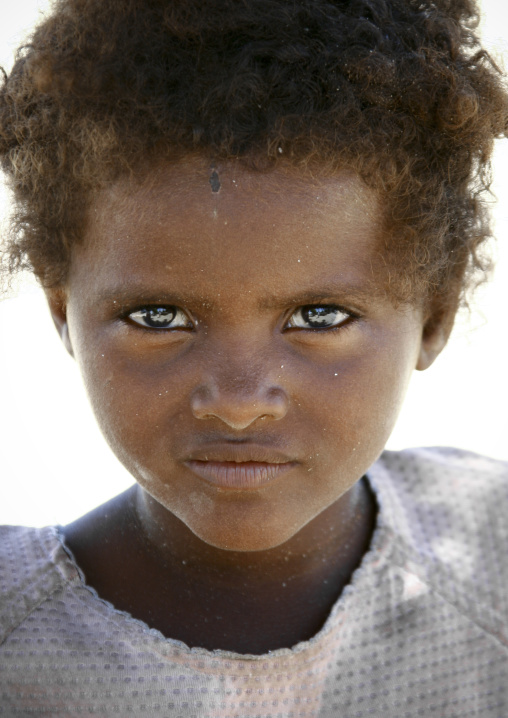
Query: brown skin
[[245, 568]]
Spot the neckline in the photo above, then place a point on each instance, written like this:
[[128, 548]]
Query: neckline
[[369, 563]]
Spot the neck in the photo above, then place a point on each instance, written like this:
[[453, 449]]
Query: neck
[[332, 542], [145, 561]]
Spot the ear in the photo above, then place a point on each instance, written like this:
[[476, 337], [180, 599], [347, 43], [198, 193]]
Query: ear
[[436, 332], [57, 302]]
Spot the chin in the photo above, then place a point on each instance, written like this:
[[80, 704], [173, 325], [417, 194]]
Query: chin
[[239, 532], [242, 542]]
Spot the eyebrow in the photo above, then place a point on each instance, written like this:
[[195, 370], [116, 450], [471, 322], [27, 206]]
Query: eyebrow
[[123, 295], [335, 292], [127, 295]]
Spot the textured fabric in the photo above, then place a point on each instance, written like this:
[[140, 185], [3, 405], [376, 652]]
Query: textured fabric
[[422, 630]]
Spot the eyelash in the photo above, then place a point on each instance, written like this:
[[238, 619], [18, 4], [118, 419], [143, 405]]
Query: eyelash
[[158, 310]]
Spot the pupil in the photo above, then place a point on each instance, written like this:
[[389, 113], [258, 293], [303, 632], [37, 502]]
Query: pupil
[[159, 316]]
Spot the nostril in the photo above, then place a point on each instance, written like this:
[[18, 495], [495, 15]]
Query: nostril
[[239, 408], [278, 402], [201, 402]]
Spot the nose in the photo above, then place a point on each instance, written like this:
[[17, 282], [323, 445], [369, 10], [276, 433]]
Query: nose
[[240, 399]]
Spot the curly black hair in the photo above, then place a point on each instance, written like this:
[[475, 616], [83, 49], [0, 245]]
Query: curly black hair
[[400, 91]]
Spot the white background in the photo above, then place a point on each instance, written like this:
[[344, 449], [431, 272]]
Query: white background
[[54, 464]]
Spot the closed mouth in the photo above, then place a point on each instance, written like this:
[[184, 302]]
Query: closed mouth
[[239, 475]]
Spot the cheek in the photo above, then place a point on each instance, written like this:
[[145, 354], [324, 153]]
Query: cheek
[[351, 408], [134, 402]]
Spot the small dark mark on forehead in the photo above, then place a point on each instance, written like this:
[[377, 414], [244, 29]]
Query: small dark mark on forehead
[[214, 181]]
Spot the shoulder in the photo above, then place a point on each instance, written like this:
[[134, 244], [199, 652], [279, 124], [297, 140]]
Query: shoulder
[[448, 509], [447, 477], [435, 497], [443, 458], [33, 566], [441, 489]]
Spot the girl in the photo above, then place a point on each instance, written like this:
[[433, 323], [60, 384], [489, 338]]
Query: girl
[[252, 223]]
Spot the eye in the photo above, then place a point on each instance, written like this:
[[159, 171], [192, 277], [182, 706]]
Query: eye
[[161, 318], [318, 316]]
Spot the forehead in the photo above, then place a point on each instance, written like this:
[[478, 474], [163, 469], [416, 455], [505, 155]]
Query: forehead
[[213, 188], [204, 220]]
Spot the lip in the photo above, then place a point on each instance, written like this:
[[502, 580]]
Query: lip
[[239, 475], [239, 466]]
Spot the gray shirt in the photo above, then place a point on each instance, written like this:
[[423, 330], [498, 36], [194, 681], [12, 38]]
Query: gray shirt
[[421, 630]]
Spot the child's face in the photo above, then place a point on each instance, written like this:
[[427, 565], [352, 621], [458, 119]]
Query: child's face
[[239, 371]]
